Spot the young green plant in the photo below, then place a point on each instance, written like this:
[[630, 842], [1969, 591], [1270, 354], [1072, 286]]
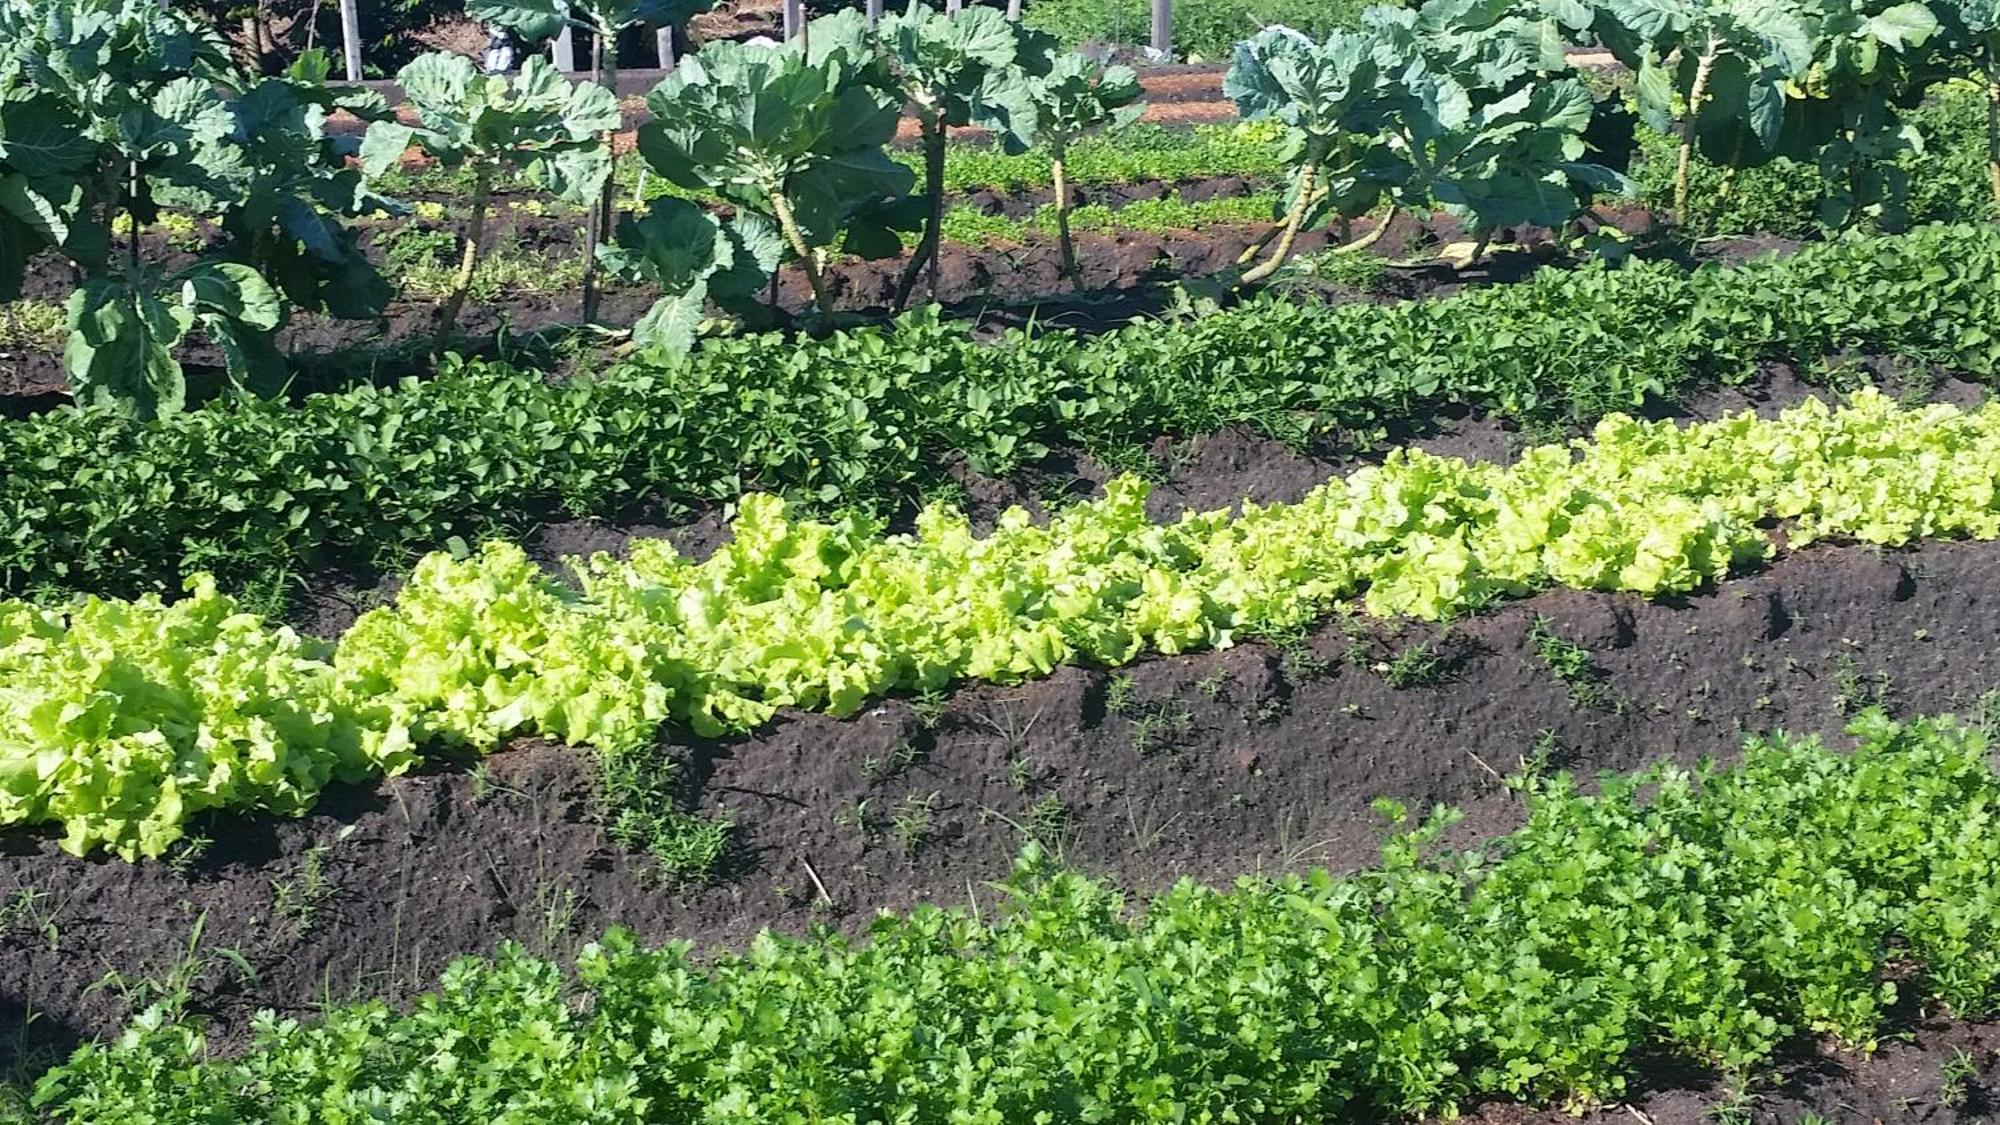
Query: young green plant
[[605, 20], [536, 123], [1077, 96]]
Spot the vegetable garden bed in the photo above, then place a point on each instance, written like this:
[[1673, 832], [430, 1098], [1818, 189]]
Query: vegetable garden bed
[[1203, 669]]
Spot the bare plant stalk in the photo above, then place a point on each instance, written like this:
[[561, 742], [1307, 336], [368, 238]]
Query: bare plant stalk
[[1064, 242], [1289, 233], [1697, 94], [468, 261], [795, 237], [1372, 237], [929, 250]]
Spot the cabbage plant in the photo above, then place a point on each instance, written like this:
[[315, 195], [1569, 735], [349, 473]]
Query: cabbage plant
[[537, 123], [972, 68], [793, 138], [118, 108], [1077, 96], [537, 21]]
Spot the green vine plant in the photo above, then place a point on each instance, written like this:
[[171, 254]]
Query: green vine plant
[[537, 123]]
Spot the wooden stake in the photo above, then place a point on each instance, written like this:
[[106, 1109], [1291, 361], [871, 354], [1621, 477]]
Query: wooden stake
[[350, 37]]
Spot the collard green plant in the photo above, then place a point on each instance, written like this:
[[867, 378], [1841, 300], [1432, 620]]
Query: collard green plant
[[117, 108], [1852, 114], [1974, 27], [292, 179], [1076, 97], [795, 140], [690, 256], [605, 21], [1488, 117], [1728, 75], [972, 68], [537, 123], [1330, 98], [1462, 103]]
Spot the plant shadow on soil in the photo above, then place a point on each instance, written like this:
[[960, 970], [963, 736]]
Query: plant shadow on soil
[[1260, 758]]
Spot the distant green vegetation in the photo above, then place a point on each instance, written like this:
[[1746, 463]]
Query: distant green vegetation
[[1204, 30]]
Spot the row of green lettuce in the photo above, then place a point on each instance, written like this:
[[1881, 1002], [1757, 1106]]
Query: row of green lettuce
[[120, 720], [1707, 917], [873, 419]]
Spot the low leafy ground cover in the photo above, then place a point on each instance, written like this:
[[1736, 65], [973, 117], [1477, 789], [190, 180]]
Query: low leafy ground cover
[[1204, 31], [1709, 916], [254, 491], [972, 227], [127, 718]]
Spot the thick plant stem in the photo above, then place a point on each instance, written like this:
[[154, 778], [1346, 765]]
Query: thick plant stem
[[1289, 233], [1372, 237], [929, 250], [468, 262], [1697, 94], [796, 239], [934, 177], [1065, 243]]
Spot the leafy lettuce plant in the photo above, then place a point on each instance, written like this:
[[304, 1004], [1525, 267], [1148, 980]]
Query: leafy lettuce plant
[[537, 123], [794, 137], [120, 719]]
